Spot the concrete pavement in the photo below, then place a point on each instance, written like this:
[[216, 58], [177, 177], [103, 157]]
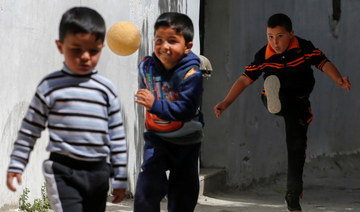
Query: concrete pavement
[[331, 184], [321, 194]]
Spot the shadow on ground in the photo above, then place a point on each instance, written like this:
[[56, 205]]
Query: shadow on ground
[[331, 184]]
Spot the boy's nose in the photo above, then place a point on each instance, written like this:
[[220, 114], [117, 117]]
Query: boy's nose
[[277, 41], [166, 45], [85, 55]]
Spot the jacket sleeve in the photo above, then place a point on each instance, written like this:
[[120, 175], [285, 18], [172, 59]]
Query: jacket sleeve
[[186, 106], [254, 70], [315, 56]]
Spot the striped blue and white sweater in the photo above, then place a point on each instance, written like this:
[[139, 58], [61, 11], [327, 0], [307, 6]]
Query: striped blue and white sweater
[[82, 113]]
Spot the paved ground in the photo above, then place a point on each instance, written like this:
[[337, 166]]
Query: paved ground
[[321, 194], [338, 193], [330, 185]]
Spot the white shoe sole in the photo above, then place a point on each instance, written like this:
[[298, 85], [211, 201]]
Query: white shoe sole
[[272, 88]]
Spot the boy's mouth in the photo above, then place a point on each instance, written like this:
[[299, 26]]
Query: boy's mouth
[[165, 52], [278, 50], [83, 65]]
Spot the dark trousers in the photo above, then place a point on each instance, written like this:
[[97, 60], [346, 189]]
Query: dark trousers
[[74, 185], [182, 184], [296, 112]]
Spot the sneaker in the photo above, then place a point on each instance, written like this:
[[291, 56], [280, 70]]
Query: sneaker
[[272, 88], [292, 203]]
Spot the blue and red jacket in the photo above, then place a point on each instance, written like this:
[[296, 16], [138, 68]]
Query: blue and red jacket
[[178, 94]]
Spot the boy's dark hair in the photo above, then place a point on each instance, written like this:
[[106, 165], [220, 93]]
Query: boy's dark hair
[[280, 19], [181, 23], [82, 20]]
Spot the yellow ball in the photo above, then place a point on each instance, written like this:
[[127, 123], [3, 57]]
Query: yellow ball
[[123, 38]]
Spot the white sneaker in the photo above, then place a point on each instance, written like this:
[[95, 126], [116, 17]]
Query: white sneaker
[[272, 88]]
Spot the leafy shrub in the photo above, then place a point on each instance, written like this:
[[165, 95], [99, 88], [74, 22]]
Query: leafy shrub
[[39, 205]]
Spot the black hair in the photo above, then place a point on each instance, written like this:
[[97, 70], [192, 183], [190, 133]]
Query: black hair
[[280, 19], [181, 23], [82, 20]]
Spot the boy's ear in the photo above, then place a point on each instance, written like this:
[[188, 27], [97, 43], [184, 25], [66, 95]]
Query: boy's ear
[[292, 33], [188, 47], [59, 45]]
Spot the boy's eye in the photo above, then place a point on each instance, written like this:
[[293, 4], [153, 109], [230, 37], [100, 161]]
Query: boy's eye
[[76, 50], [173, 41], [94, 51], [158, 41]]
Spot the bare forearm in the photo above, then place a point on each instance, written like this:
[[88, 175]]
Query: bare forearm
[[237, 88], [332, 72], [335, 75]]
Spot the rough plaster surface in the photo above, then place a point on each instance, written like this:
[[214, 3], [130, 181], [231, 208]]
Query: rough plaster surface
[[28, 30], [248, 141]]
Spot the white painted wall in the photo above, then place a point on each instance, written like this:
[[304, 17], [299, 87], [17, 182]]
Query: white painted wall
[[28, 29]]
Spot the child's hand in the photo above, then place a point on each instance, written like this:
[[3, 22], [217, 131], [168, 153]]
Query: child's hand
[[344, 82], [220, 108], [145, 98], [119, 194], [10, 178]]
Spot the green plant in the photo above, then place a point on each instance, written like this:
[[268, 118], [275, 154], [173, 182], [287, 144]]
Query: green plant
[[39, 205], [23, 204]]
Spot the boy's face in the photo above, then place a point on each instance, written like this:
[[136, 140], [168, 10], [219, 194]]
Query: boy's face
[[81, 51], [170, 46], [279, 39]]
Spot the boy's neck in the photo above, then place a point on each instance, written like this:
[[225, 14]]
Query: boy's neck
[[68, 70]]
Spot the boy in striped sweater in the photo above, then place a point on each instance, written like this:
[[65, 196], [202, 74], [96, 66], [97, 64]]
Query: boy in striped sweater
[[82, 112]]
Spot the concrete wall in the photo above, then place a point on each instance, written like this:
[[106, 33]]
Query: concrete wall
[[28, 30], [248, 141]]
